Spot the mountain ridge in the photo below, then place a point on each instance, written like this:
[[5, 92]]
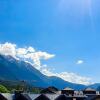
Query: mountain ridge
[[12, 69]]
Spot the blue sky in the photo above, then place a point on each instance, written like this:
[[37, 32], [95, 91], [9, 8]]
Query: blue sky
[[70, 29]]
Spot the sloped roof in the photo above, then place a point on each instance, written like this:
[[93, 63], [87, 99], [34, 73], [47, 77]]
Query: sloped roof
[[22, 97], [89, 89], [2, 97], [67, 88], [42, 97], [62, 97]]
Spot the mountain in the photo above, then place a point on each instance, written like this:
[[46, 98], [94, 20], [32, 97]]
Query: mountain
[[95, 86], [12, 69], [60, 83], [16, 70]]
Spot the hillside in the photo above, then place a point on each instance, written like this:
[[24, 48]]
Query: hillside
[[16, 70]]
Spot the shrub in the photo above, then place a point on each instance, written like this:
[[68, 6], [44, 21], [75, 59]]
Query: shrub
[[3, 89]]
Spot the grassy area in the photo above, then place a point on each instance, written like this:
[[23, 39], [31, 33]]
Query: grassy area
[[10, 87]]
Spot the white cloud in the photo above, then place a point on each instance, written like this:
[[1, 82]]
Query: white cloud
[[68, 76], [35, 56], [8, 49], [21, 51], [27, 53], [72, 77], [80, 62], [30, 49]]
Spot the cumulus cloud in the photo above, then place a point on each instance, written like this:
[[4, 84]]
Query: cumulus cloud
[[80, 62], [8, 49], [29, 54]]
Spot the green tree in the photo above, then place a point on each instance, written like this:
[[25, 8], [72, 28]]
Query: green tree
[[3, 89]]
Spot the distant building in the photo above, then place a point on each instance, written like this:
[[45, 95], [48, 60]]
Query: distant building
[[49, 90], [89, 91], [65, 97], [52, 93], [68, 91]]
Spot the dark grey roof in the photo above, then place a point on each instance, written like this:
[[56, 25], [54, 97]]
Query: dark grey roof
[[89, 89], [2, 97], [22, 97], [42, 97], [61, 97], [67, 88], [47, 97]]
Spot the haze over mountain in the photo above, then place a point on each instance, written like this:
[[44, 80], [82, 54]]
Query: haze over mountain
[[17, 70]]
